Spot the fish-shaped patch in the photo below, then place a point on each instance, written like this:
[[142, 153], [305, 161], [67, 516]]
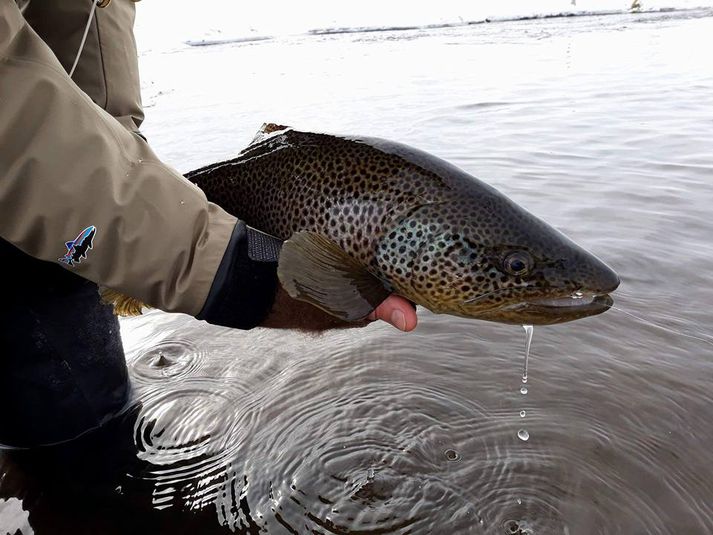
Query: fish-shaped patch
[[79, 246]]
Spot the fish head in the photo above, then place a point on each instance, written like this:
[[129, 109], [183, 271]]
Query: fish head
[[480, 255]]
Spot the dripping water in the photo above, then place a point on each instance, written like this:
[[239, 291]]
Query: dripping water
[[528, 342], [522, 434]]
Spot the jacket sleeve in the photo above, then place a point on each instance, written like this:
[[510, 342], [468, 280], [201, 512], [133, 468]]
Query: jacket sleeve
[[67, 165]]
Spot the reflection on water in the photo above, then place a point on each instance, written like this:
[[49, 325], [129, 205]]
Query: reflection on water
[[603, 127]]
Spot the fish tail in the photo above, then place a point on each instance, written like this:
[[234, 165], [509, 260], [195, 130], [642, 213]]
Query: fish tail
[[123, 304]]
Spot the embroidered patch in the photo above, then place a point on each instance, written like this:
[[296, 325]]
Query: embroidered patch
[[78, 247]]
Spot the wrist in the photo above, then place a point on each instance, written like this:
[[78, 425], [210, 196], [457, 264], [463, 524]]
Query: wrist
[[243, 290]]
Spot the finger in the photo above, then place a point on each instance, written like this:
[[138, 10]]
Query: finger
[[397, 311]]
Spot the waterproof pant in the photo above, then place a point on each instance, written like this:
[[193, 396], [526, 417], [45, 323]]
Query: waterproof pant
[[62, 367]]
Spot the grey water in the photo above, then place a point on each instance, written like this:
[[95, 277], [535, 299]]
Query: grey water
[[602, 126]]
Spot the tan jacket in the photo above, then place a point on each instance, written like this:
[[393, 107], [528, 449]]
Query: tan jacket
[[69, 161]]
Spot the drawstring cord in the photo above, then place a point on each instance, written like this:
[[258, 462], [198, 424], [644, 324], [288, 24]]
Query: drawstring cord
[[95, 3]]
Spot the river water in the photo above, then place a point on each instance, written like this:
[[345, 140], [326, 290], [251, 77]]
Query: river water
[[602, 126]]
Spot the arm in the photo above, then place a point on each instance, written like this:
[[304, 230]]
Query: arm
[[66, 164]]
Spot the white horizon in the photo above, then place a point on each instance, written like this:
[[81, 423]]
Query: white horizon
[[159, 26]]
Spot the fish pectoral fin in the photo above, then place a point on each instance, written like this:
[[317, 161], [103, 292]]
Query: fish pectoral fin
[[123, 304], [314, 269]]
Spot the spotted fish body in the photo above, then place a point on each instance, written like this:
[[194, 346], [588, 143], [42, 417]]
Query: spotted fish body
[[416, 225]]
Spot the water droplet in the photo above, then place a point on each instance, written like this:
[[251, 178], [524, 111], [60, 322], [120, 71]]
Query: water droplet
[[160, 361], [522, 414], [522, 434], [519, 501], [528, 341], [523, 390], [182, 203], [512, 526], [452, 455], [577, 295]]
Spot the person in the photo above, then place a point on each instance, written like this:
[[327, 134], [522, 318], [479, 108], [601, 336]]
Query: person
[[84, 202]]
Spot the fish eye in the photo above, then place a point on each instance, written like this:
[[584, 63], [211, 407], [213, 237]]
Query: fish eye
[[518, 263]]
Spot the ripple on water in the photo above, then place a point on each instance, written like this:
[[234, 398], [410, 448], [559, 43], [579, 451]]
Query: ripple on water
[[373, 459], [190, 433], [169, 359], [353, 444], [514, 527]]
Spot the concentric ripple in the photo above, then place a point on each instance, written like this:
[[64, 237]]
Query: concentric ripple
[[372, 438], [367, 457], [189, 434], [169, 359]]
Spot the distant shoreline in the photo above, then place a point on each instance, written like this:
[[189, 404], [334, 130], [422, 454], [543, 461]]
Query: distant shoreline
[[487, 20]]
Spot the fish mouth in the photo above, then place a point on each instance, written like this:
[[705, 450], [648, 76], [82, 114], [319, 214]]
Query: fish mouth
[[568, 301], [550, 311]]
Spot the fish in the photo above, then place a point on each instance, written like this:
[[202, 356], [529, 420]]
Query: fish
[[365, 217], [78, 248]]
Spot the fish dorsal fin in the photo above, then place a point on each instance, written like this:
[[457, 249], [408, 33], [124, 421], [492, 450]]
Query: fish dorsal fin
[[314, 269], [266, 130]]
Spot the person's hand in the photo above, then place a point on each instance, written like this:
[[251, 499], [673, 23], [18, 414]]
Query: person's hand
[[289, 313], [397, 311]]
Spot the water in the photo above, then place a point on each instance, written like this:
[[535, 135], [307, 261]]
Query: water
[[522, 434], [528, 342], [600, 125]]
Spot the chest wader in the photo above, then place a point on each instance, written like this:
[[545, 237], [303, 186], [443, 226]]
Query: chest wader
[[62, 367]]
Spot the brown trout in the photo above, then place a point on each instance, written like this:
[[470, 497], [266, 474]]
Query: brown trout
[[364, 217]]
